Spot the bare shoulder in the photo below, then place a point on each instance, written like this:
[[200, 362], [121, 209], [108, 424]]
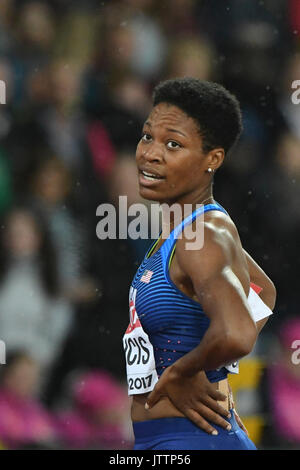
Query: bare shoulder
[[217, 230], [220, 224], [217, 247]]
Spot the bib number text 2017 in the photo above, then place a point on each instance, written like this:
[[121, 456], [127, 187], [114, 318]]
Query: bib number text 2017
[[140, 382]]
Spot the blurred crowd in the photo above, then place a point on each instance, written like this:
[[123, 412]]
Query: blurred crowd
[[79, 78]]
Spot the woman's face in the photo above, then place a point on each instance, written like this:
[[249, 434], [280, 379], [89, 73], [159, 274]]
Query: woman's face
[[22, 237], [171, 149], [23, 378], [52, 184]]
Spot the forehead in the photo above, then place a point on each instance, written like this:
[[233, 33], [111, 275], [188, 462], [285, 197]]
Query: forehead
[[166, 115]]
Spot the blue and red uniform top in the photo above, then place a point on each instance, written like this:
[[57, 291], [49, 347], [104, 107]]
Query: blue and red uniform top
[[174, 322]]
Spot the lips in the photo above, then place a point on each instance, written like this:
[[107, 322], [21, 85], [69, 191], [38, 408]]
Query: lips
[[150, 173], [149, 177]]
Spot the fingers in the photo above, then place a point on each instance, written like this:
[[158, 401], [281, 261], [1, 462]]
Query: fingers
[[153, 398], [214, 405], [200, 422], [240, 422], [205, 418], [213, 417], [217, 395]]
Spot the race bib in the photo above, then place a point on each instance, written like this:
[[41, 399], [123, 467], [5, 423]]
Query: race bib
[[259, 309], [139, 354]]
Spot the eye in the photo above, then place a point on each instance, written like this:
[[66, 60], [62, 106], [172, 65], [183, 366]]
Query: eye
[[173, 145], [146, 137]]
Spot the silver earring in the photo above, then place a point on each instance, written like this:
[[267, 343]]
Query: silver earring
[[210, 170]]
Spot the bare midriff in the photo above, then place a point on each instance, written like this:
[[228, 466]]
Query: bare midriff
[[165, 409]]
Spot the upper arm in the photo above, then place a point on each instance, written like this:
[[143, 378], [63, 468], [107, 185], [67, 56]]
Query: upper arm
[[218, 289]]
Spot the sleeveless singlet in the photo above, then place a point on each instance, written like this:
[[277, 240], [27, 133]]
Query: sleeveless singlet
[[165, 323]]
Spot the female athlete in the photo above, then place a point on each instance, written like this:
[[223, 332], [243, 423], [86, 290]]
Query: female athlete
[[192, 311]]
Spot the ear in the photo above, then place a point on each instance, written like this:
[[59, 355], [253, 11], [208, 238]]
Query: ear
[[215, 158]]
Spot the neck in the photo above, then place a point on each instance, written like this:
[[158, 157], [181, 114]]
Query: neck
[[173, 212]]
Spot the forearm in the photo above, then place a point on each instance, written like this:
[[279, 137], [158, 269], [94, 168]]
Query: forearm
[[215, 350], [232, 332]]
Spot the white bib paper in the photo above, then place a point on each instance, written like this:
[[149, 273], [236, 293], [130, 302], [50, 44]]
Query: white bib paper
[[139, 354], [259, 310], [257, 306]]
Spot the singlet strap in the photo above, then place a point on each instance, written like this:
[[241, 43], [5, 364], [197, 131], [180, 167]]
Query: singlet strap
[[168, 247], [151, 249]]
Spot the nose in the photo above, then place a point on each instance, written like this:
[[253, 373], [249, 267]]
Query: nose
[[153, 153]]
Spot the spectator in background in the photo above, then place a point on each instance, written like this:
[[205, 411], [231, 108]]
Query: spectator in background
[[88, 271], [281, 389], [279, 195], [130, 42], [6, 189], [134, 37], [191, 56], [52, 122], [118, 128], [245, 36], [34, 32], [62, 120], [76, 34], [129, 104], [33, 315], [6, 33], [36, 26], [149, 42], [62, 127], [177, 17], [24, 423], [99, 414], [51, 190]]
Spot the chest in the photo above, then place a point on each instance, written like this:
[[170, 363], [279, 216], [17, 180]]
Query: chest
[[161, 301], [177, 276]]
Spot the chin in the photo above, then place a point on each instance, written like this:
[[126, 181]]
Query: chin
[[150, 194]]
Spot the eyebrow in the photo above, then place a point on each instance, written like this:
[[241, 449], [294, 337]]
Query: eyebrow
[[170, 130]]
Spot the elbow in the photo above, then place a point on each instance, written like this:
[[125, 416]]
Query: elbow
[[245, 348], [241, 343]]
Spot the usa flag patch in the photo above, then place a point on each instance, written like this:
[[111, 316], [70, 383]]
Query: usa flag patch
[[146, 276]]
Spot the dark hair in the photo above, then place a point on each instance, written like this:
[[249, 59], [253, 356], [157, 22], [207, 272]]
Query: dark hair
[[216, 111]]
